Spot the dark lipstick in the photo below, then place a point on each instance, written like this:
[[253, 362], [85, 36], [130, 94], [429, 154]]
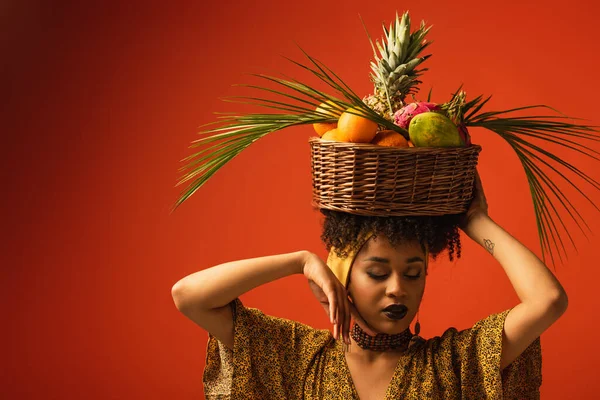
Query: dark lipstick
[[395, 311]]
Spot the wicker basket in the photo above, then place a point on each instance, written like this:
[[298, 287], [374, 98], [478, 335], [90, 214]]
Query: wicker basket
[[365, 179]]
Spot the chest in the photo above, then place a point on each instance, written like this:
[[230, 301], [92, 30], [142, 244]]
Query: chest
[[332, 376], [371, 381]]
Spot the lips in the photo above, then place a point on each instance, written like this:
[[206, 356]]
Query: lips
[[395, 311]]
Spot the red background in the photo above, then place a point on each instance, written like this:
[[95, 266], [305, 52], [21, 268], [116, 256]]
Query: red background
[[100, 103]]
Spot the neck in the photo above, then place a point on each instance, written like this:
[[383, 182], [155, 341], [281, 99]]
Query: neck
[[373, 346], [370, 356]]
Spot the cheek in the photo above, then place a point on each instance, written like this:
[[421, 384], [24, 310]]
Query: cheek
[[421, 292], [363, 290]]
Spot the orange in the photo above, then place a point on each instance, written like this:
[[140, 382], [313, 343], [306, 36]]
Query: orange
[[334, 135], [411, 144], [327, 108], [390, 138], [323, 127], [355, 128]]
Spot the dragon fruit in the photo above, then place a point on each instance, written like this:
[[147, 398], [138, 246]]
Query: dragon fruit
[[464, 134], [403, 116]]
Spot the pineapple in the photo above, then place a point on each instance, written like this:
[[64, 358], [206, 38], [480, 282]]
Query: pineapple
[[455, 110], [394, 72]]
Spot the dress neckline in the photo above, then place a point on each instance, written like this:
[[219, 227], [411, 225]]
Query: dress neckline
[[399, 370]]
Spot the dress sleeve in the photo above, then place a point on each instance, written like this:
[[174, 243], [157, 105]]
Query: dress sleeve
[[270, 357], [476, 359]]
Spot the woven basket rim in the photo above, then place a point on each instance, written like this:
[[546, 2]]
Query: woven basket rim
[[369, 146]]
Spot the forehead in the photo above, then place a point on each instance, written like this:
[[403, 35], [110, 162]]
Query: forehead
[[381, 247]]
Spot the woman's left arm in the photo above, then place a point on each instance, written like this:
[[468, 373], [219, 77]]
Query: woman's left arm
[[543, 299]]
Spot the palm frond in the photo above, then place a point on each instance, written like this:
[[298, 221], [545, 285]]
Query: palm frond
[[295, 104], [518, 131]]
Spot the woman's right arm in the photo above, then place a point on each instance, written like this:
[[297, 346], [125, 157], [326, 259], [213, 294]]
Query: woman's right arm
[[204, 296]]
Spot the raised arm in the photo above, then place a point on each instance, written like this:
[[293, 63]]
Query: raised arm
[[543, 299], [204, 296]]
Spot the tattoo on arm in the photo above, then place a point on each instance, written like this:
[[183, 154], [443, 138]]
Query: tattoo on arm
[[489, 245]]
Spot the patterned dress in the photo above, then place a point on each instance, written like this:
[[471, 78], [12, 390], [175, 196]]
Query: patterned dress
[[275, 358]]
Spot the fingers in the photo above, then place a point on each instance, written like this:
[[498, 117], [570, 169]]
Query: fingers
[[344, 313], [338, 309], [480, 193], [346, 318], [339, 312], [335, 312], [333, 304], [478, 183]]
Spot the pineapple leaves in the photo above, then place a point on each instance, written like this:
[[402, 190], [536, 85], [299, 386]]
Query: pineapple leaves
[[394, 72]]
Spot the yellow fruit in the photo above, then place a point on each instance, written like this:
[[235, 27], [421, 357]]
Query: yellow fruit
[[327, 108], [355, 128], [334, 135], [389, 138]]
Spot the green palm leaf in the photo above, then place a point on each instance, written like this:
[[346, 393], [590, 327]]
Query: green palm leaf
[[295, 102], [549, 201]]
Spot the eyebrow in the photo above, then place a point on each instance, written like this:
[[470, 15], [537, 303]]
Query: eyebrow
[[378, 259], [386, 261]]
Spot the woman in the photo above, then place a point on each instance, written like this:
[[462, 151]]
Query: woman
[[376, 272]]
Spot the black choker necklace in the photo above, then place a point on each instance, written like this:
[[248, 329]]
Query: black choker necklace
[[382, 341]]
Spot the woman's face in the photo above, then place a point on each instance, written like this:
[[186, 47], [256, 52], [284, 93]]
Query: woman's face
[[387, 283]]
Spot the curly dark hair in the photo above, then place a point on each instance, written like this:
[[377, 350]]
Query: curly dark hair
[[341, 231]]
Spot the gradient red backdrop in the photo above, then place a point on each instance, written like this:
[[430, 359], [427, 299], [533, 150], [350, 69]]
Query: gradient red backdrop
[[100, 102]]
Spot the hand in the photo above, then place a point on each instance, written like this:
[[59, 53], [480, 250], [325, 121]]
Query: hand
[[332, 295], [478, 207]]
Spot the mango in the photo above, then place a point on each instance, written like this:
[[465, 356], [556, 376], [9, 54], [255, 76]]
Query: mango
[[431, 129]]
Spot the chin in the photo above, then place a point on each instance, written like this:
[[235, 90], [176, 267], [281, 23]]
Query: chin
[[390, 327]]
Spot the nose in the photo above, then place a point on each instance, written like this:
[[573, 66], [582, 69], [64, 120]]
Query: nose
[[395, 288]]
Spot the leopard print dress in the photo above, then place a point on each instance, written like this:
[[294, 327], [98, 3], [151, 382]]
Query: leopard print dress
[[275, 358]]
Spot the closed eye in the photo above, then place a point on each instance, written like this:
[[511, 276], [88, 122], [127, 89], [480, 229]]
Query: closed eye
[[377, 277], [384, 276]]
